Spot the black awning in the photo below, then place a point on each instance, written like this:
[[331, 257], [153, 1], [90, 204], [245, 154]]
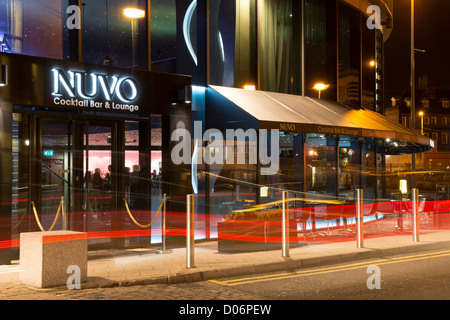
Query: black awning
[[292, 113]]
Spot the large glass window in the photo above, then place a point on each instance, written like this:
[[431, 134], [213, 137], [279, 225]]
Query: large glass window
[[320, 47], [349, 166], [233, 183], [222, 35], [112, 38], [245, 63], [369, 66], [34, 27], [349, 56], [163, 35], [320, 164], [280, 45]]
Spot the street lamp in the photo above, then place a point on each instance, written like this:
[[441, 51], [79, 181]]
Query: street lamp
[[421, 122], [134, 14], [320, 87]]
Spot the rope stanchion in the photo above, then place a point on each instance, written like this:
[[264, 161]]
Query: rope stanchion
[[37, 217], [21, 219], [137, 223]]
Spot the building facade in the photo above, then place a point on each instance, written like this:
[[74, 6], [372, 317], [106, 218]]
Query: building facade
[[191, 60]]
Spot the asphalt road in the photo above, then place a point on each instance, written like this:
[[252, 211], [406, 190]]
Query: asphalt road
[[424, 276]]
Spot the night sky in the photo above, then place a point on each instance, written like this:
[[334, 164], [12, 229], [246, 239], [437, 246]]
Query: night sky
[[432, 28]]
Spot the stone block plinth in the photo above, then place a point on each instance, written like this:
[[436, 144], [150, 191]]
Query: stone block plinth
[[45, 257]]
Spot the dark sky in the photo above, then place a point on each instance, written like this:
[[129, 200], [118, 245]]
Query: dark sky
[[432, 33]]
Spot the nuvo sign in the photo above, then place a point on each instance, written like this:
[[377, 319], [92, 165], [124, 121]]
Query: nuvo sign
[[93, 90]]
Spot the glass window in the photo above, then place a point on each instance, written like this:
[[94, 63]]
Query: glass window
[[280, 45], [245, 64], [349, 166], [349, 56], [320, 47], [444, 137], [320, 164], [112, 38], [369, 67], [163, 35], [34, 27], [233, 183], [222, 38]]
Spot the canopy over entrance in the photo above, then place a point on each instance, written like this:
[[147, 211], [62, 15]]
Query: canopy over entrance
[[293, 113]]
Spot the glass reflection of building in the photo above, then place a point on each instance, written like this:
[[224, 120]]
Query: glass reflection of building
[[283, 46]]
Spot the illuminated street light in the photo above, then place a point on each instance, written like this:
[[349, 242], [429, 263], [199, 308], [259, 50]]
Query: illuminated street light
[[320, 87], [134, 14], [250, 87], [421, 114]]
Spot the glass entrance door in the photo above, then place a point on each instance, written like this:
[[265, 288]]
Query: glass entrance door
[[95, 166], [54, 181], [94, 175]]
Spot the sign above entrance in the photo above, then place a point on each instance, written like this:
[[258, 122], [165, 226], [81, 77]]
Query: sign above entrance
[[91, 90], [69, 85]]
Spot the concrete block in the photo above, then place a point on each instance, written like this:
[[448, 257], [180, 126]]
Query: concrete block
[[46, 256]]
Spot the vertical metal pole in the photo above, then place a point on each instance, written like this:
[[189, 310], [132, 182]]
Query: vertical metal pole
[[64, 217], [163, 227], [415, 199], [413, 91], [190, 231], [359, 218], [164, 224], [285, 224]]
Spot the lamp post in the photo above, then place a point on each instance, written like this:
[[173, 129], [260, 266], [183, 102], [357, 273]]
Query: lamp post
[[320, 87], [134, 14], [421, 122], [413, 94]]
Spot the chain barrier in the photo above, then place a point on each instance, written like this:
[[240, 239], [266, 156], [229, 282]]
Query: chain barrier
[[37, 217], [137, 223]]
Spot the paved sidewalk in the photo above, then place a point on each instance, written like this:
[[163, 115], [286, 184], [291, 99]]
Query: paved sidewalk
[[109, 268]]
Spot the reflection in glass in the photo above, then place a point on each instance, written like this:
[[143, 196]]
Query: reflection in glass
[[320, 153]]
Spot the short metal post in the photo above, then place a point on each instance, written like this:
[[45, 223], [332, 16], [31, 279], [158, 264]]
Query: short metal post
[[64, 217], [163, 227], [285, 224], [359, 218], [190, 231], [415, 199]]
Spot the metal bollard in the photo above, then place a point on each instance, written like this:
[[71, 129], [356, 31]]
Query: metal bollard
[[190, 231], [64, 216], [359, 218], [415, 199], [285, 224], [163, 227]]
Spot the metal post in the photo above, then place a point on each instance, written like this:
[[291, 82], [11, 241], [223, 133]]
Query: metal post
[[163, 227], [64, 217], [190, 231], [415, 199], [359, 218], [285, 224]]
